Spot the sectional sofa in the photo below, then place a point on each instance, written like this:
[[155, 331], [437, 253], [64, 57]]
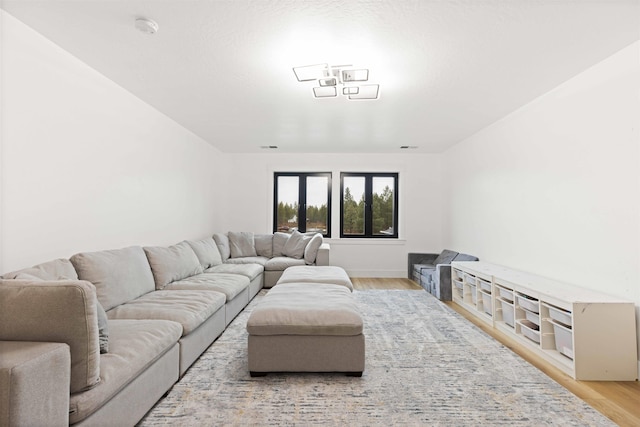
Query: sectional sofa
[[98, 338]]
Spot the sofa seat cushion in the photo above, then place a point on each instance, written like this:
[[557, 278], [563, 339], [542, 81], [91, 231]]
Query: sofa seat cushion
[[58, 269], [248, 270], [281, 263], [119, 275], [134, 346], [261, 260], [231, 285], [306, 309], [419, 268], [189, 308]]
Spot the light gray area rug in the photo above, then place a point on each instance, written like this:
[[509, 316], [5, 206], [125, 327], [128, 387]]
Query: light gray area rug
[[425, 365]]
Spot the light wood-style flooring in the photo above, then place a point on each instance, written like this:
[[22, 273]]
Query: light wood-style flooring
[[618, 400]]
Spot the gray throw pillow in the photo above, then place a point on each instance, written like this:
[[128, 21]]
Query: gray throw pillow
[[311, 251], [241, 244], [295, 246]]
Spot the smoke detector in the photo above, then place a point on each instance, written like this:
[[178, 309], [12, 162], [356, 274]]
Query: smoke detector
[[147, 26]]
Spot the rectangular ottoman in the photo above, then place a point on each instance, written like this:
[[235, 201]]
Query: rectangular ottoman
[[316, 274], [306, 327]]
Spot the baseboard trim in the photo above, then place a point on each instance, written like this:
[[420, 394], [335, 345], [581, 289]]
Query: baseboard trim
[[377, 273]]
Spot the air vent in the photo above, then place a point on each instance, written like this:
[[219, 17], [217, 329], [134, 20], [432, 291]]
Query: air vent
[[269, 147], [408, 147]]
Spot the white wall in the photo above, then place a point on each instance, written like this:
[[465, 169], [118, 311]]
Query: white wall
[[554, 188], [85, 165], [251, 197]]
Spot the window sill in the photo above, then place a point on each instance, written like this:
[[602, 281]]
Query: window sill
[[365, 241]]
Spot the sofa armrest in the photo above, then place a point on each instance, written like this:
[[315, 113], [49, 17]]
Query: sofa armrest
[[34, 383], [323, 254], [442, 280], [419, 258], [62, 311]]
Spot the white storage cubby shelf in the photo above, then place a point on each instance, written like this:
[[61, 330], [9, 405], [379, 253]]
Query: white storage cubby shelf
[[588, 335]]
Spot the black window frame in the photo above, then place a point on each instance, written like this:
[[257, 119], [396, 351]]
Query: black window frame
[[302, 198], [368, 194]]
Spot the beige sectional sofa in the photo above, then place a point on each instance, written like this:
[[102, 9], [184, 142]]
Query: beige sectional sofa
[[117, 328]]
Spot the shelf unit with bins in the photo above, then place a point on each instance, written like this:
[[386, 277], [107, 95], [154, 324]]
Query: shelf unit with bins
[[587, 334]]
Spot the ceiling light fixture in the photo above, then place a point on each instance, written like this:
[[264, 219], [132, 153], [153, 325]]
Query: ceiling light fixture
[[338, 79], [147, 26]]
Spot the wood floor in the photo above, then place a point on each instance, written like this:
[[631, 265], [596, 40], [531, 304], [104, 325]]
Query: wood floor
[[618, 400]]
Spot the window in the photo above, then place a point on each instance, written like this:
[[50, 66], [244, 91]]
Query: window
[[302, 201], [369, 205]]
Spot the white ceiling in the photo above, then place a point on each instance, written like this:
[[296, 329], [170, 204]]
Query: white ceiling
[[447, 69]]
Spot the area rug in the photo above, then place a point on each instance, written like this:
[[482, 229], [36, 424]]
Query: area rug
[[425, 366]]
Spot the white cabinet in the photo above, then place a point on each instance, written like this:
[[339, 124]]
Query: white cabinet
[[587, 334]]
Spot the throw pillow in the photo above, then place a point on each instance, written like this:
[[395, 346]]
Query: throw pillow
[[295, 246], [103, 329], [241, 244], [222, 241], [311, 251]]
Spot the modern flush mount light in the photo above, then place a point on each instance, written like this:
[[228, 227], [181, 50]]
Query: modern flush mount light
[[146, 25], [338, 79]]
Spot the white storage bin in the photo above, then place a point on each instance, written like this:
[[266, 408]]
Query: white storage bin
[[559, 315], [484, 285], [470, 279], [528, 303], [505, 294], [507, 312], [486, 303], [532, 317], [530, 330], [564, 339], [474, 295]]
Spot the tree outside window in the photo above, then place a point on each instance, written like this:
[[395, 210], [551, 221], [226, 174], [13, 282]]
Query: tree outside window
[[302, 202], [369, 205]]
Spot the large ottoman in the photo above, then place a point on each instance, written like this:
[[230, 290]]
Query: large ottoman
[[324, 274], [306, 327]]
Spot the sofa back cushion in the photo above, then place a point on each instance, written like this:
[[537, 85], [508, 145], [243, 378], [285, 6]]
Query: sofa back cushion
[[119, 275], [264, 244], [295, 246], [311, 251], [222, 241], [172, 263], [58, 269], [279, 240], [241, 244], [207, 252], [445, 257], [465, 257], [55, 311]]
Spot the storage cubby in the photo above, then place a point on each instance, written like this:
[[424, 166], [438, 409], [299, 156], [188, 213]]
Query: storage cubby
[[587, 334]]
